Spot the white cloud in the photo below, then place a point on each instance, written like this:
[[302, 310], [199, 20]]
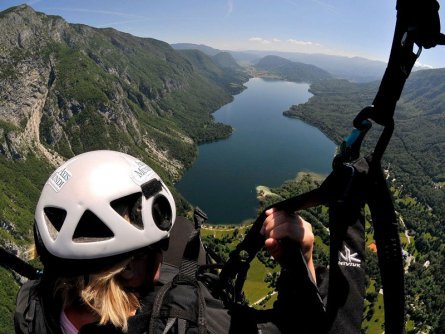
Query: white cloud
[[259, 40], [303, 43], [291, 45], [424, 66]]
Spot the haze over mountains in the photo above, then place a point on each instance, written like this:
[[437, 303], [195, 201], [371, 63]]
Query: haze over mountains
[[354, 69]]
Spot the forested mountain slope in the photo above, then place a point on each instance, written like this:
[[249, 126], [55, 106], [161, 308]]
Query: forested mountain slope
[[60, 75], [415, 160], [290, 70], [66, 89], [417, 149]]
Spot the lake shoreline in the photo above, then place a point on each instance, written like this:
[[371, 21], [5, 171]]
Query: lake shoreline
[[223, 179]]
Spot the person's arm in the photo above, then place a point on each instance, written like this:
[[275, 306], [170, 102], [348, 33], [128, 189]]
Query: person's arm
[[299, 308], [280, 225]]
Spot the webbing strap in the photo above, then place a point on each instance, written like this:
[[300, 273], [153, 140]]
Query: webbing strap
[[234, 272], [169, 325], [389, 250], [18, 265], [345, 302], [189, 263], [400, 64], [182, 326]]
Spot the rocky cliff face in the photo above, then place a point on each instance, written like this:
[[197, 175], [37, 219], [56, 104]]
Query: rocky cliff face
[[70, 88]]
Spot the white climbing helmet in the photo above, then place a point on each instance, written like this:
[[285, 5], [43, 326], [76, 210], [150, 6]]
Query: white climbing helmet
[[79, 214]]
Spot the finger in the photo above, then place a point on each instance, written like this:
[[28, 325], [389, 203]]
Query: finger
[[278, 218], [273, 247], [271, 243], [270, 211], [292, 231], [267, 213]]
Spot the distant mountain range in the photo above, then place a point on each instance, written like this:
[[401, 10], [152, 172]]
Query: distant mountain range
[[290, 70], [355, 69]]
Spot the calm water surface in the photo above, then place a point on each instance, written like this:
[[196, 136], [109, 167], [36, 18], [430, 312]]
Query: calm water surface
[[265, 148]]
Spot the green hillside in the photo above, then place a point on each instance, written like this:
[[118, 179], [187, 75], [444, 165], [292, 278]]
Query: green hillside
[[290, 70], [416, 151], [415, 160]]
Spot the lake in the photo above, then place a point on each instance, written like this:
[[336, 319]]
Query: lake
[[266, 148]]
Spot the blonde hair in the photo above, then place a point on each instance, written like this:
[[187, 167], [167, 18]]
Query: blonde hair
[[103, 293]]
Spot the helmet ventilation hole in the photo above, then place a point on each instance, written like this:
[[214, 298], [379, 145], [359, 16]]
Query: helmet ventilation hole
[[130, 208], [54, 218], [90, 229], [162, 213]]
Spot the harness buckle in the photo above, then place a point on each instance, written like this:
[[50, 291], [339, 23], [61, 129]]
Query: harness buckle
[[405, 43]]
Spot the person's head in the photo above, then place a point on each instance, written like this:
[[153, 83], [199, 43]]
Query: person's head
[[100, 223]]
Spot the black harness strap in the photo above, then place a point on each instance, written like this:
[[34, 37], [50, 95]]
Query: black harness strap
[[346, 290], [187, 276], [234, 272], [389, 250], [18, 265], [189, 263]]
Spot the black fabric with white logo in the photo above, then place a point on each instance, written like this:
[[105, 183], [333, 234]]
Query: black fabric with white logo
[[346, 272]]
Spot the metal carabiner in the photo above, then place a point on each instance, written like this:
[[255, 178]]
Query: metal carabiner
[[404, 43]]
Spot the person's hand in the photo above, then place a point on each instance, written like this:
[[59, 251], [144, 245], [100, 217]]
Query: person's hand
[[279, 225]]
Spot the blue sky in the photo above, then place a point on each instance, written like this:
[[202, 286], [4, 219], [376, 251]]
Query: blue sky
[[341, 27]]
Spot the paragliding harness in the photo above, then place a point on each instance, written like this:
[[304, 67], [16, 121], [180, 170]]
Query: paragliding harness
[[354, 182]]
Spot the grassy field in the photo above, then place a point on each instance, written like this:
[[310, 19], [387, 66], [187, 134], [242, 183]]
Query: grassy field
[[255, 288], [374, 313]]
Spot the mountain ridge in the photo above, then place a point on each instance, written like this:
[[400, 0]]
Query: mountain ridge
[[356, 69], [292, 71], [133, 77], [352, 68]]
